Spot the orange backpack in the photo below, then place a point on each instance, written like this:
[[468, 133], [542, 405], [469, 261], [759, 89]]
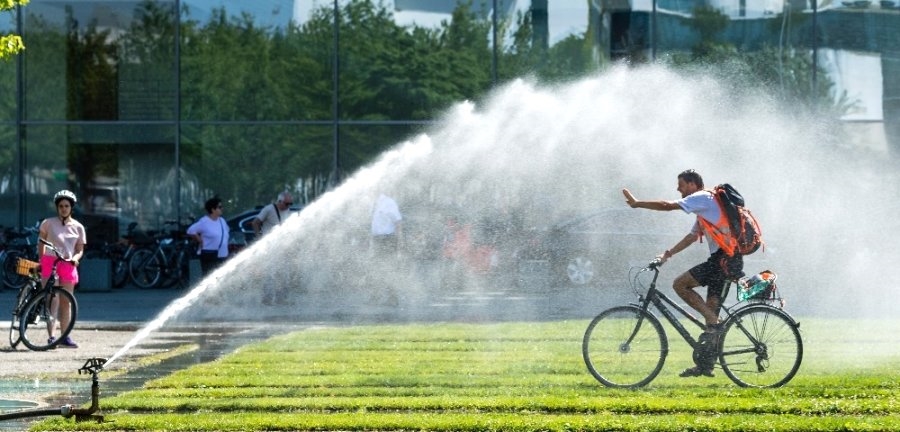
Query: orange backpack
[[743, 235]]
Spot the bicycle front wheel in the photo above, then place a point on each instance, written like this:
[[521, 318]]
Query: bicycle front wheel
[[21, 299], [41, 316], [145, 268], [11, 277], [625, 347], [761, 347]]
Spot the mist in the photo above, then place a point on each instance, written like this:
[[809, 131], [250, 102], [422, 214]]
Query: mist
[[548, 153]]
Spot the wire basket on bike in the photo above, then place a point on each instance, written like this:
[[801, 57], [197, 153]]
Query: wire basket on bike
[[26, 267], [760, 286]]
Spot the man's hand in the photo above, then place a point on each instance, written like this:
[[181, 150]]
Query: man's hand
[[629, 198]]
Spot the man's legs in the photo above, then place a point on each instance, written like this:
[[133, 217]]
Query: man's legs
[[684, 286], [704, 356]]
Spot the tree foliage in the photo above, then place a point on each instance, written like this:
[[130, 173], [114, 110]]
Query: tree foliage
[[10, 44]]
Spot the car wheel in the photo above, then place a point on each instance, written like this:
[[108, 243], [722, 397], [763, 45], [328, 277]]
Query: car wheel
[[580, 270]]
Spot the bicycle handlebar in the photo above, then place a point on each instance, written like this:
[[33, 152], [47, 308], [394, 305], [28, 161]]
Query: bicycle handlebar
[[655, 264], [54, 249]]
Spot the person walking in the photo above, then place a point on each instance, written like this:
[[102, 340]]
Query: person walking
[[723, 262], [211, 234], [69, 237], [272, 215]]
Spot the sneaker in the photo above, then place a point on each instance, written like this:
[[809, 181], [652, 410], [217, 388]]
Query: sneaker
[[50, 341], [68, 343], [695, 372]]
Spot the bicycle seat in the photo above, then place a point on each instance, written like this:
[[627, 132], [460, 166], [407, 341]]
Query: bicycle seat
[[737, 276]]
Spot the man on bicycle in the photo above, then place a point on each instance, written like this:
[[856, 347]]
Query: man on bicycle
[[721, 265]]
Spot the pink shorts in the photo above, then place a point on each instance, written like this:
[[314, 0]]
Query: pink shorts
[[66, 272]]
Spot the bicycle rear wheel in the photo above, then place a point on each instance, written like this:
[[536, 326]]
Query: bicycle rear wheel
[[761, 347], [625, 347], [145, 268], [39, 317]]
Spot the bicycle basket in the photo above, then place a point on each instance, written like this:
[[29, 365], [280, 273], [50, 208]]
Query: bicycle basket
[[760, 286], [26, 267]]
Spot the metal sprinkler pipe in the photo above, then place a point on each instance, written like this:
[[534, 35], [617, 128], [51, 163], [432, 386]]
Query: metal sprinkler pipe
[[92, 366]]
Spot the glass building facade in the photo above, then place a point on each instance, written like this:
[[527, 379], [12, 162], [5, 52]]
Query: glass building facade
[[146, 108]]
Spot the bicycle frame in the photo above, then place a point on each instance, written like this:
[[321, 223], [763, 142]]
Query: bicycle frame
[[659, 301], [33, 292]]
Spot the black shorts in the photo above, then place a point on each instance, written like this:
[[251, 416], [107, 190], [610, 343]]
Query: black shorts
[[719, 267]]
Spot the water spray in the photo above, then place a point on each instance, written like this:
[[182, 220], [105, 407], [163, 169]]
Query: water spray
[[92, 366]]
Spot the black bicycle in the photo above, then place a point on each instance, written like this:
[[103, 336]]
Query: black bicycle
[[34, 318], [20, 246], [626, 346]]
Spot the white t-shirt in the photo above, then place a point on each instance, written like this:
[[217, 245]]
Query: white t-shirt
[[702, 203], [385, 216], [270, 218], [213, 233]]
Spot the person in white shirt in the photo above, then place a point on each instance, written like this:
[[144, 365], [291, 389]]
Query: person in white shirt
[[712, 273], [211, 234], [387, 227], [272, 215], [387, 238], [274, 290]]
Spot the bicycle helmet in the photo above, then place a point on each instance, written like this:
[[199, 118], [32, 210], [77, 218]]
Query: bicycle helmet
[[65, 194]]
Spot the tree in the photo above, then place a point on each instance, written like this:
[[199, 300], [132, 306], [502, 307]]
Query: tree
[[10, 44]]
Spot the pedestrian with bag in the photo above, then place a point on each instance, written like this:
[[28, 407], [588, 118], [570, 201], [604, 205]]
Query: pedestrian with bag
[[272, 215], [211, 234]]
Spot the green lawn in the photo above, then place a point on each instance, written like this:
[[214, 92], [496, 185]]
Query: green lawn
[[506, 376]]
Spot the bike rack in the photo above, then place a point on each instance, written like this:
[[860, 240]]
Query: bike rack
[[92, 366]]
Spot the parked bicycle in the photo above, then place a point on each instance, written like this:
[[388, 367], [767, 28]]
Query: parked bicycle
[[19, 245], [166, 263], [120, 253], [626, 346], [34, 317]]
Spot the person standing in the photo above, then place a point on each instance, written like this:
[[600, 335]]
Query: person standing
[[387, 227], [211, 234], [274, 290], [387, 236], [272, 215], [723, 262], [69, 237]]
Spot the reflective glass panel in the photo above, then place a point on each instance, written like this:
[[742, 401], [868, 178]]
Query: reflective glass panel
[[552, 39], [9, 182], [412, 61], [361, 144], [120, 174], [7, 71], [249, 165], [99, 60], [257, 60]]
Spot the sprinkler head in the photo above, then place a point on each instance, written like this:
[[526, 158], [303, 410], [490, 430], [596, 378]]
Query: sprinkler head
[[92, 366]]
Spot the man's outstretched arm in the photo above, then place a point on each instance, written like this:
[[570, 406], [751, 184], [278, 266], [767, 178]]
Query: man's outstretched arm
[[652, 205]]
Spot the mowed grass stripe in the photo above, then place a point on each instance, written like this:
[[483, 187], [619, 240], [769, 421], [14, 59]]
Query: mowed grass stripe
[[398, 421], [484, 377]]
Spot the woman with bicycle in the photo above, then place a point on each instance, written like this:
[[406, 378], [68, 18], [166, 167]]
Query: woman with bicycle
[[67, 235]]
